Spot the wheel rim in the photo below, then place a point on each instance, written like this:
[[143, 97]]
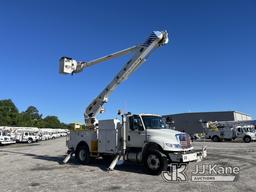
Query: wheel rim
[[82, 155], [247, 139], [153, 162]]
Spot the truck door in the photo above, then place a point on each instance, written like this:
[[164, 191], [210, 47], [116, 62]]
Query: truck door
[[239, 132], [136, 132], [25, 136]]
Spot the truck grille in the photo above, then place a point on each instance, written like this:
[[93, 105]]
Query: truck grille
[[185, 140]]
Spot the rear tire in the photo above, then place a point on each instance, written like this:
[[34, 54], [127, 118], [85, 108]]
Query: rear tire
[[83, 154], [215, 138], [155, 162], [30, 140]]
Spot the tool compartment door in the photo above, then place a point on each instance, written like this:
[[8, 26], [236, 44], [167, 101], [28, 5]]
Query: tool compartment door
[[108, 138]]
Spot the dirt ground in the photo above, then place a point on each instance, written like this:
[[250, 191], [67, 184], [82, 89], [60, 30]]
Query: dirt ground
[[38, 167]]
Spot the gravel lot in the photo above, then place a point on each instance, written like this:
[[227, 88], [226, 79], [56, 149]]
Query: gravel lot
[[38, 167]]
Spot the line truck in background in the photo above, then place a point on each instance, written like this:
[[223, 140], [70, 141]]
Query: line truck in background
[[231, 130], [141, 138]]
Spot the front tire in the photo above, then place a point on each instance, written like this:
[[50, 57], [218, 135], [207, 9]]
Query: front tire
[[83, 154], [155, 162], [30, 140], [247, 139]]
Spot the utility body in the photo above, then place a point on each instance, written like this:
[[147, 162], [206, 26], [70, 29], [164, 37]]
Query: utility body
[[142, 138], [27, 136]]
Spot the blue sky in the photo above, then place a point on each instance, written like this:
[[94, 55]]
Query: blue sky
[[209, 64]]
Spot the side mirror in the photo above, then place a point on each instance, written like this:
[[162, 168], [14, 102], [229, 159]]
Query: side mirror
[[141, 128]]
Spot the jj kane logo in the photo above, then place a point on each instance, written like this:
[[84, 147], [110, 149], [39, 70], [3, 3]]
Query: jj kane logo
[[201, 173]]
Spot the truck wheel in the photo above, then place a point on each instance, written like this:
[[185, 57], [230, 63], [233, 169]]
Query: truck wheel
[[30, 140], [247, 139], [83, 154], [215, 138], [155, 162]]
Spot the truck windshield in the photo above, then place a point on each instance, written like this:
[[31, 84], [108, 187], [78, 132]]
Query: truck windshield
[[153, 122], [252, 130]]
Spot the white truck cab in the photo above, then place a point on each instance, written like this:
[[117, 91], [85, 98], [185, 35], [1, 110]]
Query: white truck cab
[[44, 135], [5, 138]]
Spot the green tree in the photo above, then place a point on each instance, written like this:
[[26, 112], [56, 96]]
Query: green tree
[[41, 123], [33, 112], [8, 113], [30, 117], [10, 116], [52, 122]]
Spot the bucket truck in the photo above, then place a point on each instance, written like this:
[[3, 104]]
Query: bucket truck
[[142, 138], [27, 135], [231, 130]]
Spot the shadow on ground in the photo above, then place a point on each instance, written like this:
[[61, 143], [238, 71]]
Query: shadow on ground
[[100, 163]]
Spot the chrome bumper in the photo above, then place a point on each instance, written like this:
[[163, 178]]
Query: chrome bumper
[[188, 157], [7, 142]]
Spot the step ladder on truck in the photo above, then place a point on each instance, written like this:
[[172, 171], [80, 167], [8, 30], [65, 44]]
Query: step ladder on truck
[[142, 138]]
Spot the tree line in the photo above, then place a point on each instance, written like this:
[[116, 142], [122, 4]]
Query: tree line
[[10, 116]]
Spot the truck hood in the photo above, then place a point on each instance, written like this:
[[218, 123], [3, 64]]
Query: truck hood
[[165, 134], [169, 139], [251, 134]]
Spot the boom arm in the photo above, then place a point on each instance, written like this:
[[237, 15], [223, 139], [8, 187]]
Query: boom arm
[[141, 52]]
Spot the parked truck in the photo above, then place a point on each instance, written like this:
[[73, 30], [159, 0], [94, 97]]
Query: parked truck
[[27, 136], [231, 130], [142, 138], [5, 138]]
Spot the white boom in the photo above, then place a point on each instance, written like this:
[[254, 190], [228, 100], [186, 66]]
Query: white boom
[[141, 52]]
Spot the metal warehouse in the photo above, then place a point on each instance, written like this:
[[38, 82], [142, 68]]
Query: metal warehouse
[[190, 122]]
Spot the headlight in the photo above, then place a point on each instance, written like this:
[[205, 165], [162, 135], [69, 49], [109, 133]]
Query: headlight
[[173, 145], [169, 145], [177, 145]]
